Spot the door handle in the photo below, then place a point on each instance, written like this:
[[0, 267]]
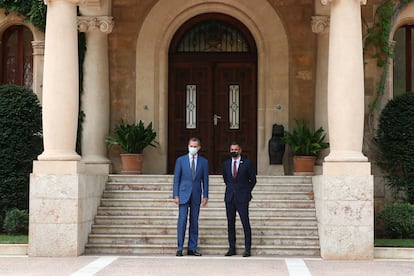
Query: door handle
[[215, 119]]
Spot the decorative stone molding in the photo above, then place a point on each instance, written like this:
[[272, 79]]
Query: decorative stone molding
[[38, 48], [320, 24], [325, 2], [89, 3], [92, 23]]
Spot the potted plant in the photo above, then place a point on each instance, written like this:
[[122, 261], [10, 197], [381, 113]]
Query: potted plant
[[305, 145], [132, 139]]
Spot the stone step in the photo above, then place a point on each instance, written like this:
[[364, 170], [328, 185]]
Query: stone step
[[209, 211], [147, 178], [212, 250], [298, 230], [158, 202], [204, 239], [138, 216], [163, 194], [170, 220], [167, 186]]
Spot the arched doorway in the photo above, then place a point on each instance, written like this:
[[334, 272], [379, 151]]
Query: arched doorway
[[212, 91]]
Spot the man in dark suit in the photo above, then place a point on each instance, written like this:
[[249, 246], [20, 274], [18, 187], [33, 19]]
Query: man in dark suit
[[240, 178], [190, 189]]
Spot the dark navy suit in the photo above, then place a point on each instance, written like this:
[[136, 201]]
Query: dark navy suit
[[189, 191], [237, 197]]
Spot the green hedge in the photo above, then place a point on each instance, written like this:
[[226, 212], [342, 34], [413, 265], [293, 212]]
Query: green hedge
[[398, 220], [395, 137], [16, 222], [20, 144]]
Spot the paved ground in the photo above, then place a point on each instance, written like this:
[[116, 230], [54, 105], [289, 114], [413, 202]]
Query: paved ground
[[205, 265]]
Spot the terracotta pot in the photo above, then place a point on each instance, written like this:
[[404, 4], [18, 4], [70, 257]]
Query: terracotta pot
[[304, 164], [132, 163]]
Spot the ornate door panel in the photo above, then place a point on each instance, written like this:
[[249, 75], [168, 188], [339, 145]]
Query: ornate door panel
[[216, 102], [235, 102], [189, 109]]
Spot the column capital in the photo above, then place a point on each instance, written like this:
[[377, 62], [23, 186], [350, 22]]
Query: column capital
[[104, 24], [325, 2], [320, 24]]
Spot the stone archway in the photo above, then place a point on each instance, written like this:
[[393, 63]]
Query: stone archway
[[12, 19], [152, 67]]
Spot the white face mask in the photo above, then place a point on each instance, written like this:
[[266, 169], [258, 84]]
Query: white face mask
[[192, 151]]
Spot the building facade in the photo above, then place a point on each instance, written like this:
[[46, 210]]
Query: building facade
[[220, 70]]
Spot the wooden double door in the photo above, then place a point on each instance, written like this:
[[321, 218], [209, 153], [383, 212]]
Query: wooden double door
[[216, 101]]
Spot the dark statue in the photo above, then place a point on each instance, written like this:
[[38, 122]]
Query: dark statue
[[276, 145]]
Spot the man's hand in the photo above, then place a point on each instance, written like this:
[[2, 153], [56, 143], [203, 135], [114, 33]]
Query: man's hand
[[177, 200], [204, 202]]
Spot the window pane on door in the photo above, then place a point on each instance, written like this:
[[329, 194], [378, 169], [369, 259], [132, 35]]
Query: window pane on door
[[399, 62], [17, 56], [10, 58], [27, 59], [234, 106], [191, 106]]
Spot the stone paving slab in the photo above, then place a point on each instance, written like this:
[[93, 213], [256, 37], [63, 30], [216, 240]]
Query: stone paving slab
[[205, 265]]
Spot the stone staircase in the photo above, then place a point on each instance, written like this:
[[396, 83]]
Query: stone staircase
[[138, 217]]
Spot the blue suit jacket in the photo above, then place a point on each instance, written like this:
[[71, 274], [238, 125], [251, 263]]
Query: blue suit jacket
[[240, 188], [184, 186]]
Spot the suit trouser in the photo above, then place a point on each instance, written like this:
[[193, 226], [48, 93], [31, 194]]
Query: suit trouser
[[182, 225], [243, 210]]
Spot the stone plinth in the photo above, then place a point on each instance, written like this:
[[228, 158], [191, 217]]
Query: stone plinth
[[64, 196], [345, 213]]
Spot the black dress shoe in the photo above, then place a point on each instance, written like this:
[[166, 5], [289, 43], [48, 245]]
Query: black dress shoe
[[231, 252], [193, 253], [179, 253], [247, 253]]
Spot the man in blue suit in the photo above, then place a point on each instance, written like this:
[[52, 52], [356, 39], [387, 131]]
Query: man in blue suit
[[190, 189], [240, 178]]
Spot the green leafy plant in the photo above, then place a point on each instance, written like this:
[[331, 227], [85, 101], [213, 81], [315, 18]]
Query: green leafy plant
[[398, 220], [378, 37], [133, 138], [20, 144], [34, 10], [16, 221], [395, 139], [303, 141]]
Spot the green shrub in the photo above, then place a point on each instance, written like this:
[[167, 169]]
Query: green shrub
[[395, 137], [16, 221], [398, 220], [34, 10], [20, 144]]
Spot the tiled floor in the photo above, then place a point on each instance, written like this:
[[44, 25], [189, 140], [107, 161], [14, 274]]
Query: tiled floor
[[205, 265]]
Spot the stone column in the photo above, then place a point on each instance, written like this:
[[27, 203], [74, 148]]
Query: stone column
[[38, 61], [344, 193], [345, 82], [61, 195], [60, 82], [95, 98], [320, 26]]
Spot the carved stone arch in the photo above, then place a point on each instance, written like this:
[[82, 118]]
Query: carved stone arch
[[15, 19], [153, 43]]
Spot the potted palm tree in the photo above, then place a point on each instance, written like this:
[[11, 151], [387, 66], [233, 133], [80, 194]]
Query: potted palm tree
[[132, 139], [305, 145]]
